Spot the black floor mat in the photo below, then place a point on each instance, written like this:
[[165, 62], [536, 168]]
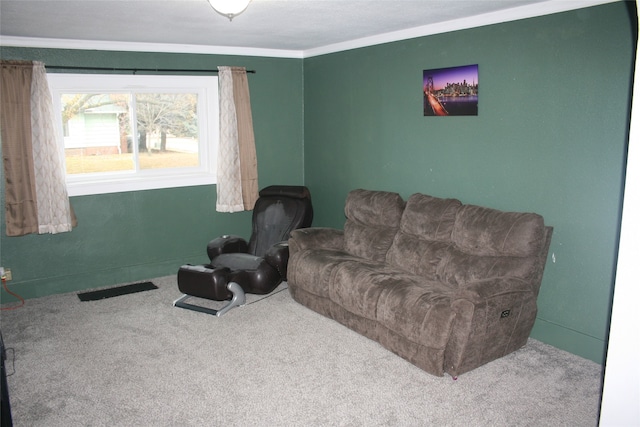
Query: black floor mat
[[117, 291]]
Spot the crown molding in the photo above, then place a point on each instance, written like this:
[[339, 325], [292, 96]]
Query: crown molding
[[547, 7], [35, 42], [522, 12]]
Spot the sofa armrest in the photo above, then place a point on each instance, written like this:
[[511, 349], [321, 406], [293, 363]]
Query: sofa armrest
[[482, 290], [493, 318], [227, 244], [316, 238]]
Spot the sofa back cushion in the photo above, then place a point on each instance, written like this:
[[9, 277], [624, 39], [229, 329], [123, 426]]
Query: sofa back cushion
[[424, 237], [373, 218], [484, 231], [441, 239], [489, 243], [458, 268]]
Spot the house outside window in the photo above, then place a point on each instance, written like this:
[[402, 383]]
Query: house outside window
[[136, 132]]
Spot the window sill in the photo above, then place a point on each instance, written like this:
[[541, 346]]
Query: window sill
[[131, 183]]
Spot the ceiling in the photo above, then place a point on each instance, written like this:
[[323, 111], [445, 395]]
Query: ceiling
[[267, 27]]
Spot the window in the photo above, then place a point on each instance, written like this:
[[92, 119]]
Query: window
[[136, 132]]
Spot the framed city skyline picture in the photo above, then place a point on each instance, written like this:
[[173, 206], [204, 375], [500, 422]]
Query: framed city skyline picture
[[450, 91]]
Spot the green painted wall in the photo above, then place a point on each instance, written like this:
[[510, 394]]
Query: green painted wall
[[132, 236], [550, 138]]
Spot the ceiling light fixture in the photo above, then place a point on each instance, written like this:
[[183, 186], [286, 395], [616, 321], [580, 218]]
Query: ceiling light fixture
[[229, 8]]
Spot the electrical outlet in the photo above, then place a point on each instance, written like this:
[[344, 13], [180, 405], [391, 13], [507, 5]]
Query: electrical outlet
[[7, 275]]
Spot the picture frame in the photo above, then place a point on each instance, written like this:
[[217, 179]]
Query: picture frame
[[451, 91]]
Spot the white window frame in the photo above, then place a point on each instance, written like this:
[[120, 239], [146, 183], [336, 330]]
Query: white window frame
[[208, 123]]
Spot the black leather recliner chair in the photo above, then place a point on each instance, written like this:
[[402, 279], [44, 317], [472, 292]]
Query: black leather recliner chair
[[236, 266]]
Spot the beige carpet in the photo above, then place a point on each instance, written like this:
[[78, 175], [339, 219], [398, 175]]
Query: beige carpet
[[136, 360]]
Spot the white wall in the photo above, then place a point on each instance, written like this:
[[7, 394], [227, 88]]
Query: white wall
[[621, 394]]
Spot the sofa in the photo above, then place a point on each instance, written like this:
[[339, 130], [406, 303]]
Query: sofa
[[446, 286]]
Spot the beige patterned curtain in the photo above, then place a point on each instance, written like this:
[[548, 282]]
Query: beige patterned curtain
[[237, 171], [36, 199]]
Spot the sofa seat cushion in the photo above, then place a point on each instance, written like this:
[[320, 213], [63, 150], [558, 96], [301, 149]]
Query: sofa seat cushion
[[419, 310], [356, 286], [406, 304], [312, 270]]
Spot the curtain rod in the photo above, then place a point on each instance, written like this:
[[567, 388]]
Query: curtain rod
[[134, 70]]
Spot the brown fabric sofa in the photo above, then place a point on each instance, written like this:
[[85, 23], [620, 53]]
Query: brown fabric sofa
[[449, 287]]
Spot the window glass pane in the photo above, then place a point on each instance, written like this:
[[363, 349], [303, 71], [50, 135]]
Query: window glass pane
[[96, 127], [167, 130], [111, 147]]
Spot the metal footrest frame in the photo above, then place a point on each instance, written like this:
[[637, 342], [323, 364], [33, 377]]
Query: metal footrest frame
[[238, 299]]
